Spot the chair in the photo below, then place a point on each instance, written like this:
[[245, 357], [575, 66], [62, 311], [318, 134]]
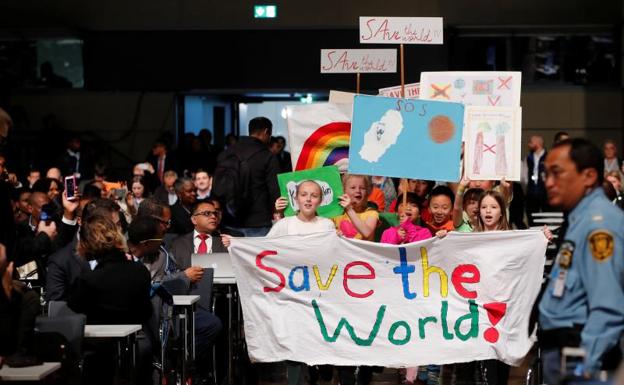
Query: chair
[[59, 308], [69, 326]]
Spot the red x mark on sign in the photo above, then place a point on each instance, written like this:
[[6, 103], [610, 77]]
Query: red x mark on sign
[[493, 101], [489, 148], [440, 91], [504, 83]]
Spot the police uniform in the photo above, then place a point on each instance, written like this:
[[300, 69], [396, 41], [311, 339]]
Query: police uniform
[[584, 300]]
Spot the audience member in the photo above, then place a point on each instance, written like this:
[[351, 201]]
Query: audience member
[[54, 173], [73, 161], [181, 210], [166, 192], [33, 176], [536, 200], [560, 136], [203, 183], [277, 146], [203, 239], [611, 161], [19, 306], [161, 160]]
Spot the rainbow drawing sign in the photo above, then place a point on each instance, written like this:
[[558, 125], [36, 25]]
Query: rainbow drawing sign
[[406, 138], [319, 135], [324, 299]]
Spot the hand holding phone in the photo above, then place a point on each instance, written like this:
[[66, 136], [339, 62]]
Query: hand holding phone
[[71, 189]]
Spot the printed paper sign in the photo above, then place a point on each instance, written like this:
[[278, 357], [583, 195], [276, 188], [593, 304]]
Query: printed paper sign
[[412, 91], [492, 89], [493, 140], [406, 138], [328, 178], [358, 60], [401, 30], [319, 135], [324, 299]]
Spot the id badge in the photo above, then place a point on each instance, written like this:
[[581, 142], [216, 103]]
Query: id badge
[[559, 287]]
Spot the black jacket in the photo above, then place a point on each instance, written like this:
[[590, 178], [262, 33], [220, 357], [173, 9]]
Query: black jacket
[[116, 292], [180, 219], [182, 248], [64, 269], [264, 168], [17, 319]]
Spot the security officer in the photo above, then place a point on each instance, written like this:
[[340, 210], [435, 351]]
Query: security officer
[[583, 304]]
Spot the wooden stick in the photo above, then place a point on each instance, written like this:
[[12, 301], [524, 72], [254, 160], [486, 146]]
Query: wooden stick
[[357, 84], [402, 74], [405, 186]]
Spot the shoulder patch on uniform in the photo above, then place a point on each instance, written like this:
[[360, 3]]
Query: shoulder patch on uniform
[[597, 218], [601, 245]]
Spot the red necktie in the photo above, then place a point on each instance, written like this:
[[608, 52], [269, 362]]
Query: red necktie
[[161, 168], [203, 246]]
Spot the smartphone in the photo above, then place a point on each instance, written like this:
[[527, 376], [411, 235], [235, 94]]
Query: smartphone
[[120, 193], [70, 187]]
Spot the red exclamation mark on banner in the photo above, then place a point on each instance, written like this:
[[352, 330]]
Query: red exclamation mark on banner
[[495, 311]]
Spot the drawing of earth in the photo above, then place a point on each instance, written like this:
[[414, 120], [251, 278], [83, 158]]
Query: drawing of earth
[[441, 129]]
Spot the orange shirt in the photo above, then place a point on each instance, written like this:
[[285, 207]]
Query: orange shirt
[[377, 197], [448, 226]]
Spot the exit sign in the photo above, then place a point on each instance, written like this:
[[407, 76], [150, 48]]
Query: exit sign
[[265, 11]]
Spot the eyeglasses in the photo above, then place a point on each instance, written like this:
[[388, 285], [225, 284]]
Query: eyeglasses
[[164, 222], [159, 240], [215, 214]]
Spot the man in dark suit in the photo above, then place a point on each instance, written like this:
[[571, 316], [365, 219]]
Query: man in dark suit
[[181, 210], [203, 239], [162, 160]]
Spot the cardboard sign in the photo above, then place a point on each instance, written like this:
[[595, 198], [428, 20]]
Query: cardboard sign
[[341, 97], [319, 135], [412, 91], [328, 178], [341, 61], [325, 299], [401, 30], [491, 89], [493, 140], [406, 138]]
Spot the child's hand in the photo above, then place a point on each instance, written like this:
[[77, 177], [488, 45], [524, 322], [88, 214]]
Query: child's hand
[[345, 201], [441, 233], [547, 233], [226, 239], [464, 182], [402, 233], [280, 204], [504, 184], [339, 233]]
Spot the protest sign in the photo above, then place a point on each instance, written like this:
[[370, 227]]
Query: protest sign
[[496, 89], [412, 91], [493, 138], [406, 138], [319, 135], [341, 97], [325, 299], [326, 177], [358, 61], [401, 30]]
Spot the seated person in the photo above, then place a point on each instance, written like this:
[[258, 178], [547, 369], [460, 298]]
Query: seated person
[[19, 306], [203, 238]]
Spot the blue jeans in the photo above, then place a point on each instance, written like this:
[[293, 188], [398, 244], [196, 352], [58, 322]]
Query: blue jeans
[[252, 231]]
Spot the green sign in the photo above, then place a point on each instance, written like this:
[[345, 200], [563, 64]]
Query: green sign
[[265, 11], [329, 180]]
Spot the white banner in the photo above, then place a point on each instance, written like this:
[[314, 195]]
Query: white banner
[[401, 30], [412, 91], [324, 299], [341, 61]]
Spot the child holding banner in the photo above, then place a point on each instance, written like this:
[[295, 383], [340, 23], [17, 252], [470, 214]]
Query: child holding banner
[[408, 230], [466, 207], [358, 221]]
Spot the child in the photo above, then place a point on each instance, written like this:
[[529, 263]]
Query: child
[[309, 196], [358, 221], [466, 207], [407, 231], [440, 208]]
